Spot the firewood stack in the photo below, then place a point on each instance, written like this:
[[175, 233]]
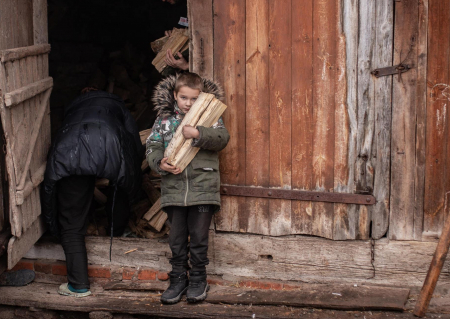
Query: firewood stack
[[177, 42]]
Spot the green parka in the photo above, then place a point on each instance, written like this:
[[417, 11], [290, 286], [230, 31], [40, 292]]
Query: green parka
[[199, 183]]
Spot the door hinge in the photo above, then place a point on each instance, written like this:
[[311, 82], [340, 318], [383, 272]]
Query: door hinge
[[390, 70]]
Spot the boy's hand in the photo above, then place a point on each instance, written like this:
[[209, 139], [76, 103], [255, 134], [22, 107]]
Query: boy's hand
[[190, 132], [179, 63], [168, 33], [169, 168]]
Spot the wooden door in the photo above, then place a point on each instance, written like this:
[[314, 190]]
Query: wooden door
[[304, 111], [25, 90]]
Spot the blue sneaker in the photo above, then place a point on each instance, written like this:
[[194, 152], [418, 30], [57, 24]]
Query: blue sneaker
[[67, 290]]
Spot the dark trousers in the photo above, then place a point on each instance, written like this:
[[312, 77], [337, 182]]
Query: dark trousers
[[188, 221], [74, 195]]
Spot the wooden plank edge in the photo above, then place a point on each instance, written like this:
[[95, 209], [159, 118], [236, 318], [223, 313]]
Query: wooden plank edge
[[23, 52], [24, 93]]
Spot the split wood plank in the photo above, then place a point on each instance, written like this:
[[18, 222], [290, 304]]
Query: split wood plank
[[403, 144], [230, 71], [280, 69], [153, 210], [318, 296], [23, 52], [158, 44], [26, 92], [144, 135], [324, 61], [176, 41], [191, 118], [153, 194], [187, 152], [201, 46], [157, 222], [438, 79], [99, 196], [255, 216]]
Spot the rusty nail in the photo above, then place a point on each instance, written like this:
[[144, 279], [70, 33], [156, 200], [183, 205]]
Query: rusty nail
[[269, 193], [224, 190], [368, 199]]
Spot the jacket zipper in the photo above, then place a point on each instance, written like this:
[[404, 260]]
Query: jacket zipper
[[187, 188]]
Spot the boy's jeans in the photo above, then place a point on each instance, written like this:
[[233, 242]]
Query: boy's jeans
[[188, 221]]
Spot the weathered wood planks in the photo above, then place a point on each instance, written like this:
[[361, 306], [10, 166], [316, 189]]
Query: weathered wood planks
[[229, 70], [437, 182], [403, 157], [280, 71], [255, 219]]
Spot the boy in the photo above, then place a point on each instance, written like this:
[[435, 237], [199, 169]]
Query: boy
[[191, 197]]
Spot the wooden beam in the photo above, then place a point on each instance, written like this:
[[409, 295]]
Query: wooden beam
[[310, 259], [27, 92], [23, 52], [34, 182]]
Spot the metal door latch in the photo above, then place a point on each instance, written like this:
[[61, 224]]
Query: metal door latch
[[390, 70]]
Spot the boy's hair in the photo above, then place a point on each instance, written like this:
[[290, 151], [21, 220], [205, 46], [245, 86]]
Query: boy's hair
[[191, 80]]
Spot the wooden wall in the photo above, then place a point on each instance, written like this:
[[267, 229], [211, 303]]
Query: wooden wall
[[16, 23], [305, 113]]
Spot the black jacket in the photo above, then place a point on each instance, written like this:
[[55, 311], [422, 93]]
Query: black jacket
[[98, 137]]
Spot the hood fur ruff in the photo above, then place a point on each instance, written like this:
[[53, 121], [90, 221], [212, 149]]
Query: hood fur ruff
[[164, 100]]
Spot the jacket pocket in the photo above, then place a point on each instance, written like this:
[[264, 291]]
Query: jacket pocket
[[205, 176], [172, 184]]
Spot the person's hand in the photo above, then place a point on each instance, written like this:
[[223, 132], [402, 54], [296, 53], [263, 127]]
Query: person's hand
[[190, 132], [168, 33], [181, 63], [169, 168]]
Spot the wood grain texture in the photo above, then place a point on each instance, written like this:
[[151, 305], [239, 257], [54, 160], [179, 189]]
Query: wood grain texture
[[324, 61], [229, 70], [382, 103], [201, 45], [294, 258], [404, 116], [344, 219], [280, 69], [438, 79], [366, 112], [16, 23], [421, 116], [40, 27], [255, 218], [302, 112]]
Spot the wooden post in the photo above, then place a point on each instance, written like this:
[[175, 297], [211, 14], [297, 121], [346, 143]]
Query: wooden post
[[434, 271]]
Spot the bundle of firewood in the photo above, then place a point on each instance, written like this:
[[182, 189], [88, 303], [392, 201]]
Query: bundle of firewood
[[204, 112], [177, 42]]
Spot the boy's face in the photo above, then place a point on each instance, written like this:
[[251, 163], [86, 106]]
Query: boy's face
[[186, 97]]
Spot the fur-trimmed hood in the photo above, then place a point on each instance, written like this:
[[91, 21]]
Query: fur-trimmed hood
[[164, 100]]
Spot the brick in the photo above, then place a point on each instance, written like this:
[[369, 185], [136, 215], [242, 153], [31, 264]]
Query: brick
[[99, 271], [163, 276], [276, 286], [59, 269], [290, 287], [23, 264], [147, 274], [43, 267], [128, 273]]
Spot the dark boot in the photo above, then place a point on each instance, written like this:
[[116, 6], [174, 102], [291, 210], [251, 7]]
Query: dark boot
[[198, 286], [178, 286]]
